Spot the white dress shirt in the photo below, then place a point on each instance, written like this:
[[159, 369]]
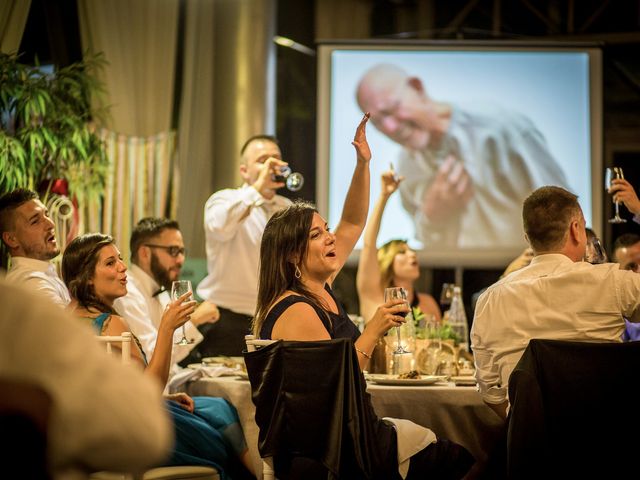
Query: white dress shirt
[[105, 415], [40, 277], [143, 312], [234, 220], [506, 158], [552, 298]]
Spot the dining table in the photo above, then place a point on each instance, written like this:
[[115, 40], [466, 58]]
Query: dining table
[[453, 412]]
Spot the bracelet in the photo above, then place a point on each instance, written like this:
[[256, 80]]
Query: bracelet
[[363, 353]]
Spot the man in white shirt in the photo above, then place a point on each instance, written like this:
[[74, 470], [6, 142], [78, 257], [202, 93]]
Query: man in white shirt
[[157, 256], [557, 296], [104, 415], [234, 220], [29, 234]]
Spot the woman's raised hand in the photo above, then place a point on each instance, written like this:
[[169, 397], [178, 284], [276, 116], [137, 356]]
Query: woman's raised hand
[[360, 140], [390, 182]]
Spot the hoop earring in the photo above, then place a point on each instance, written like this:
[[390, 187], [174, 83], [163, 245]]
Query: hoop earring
[[297, 273]]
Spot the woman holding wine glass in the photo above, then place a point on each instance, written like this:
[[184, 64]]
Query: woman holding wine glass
[[299, 259], [96, 276]]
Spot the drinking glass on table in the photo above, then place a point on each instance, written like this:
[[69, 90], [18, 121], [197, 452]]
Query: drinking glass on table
[[446, 296], [401, 355], [179, 288], [611, 174]]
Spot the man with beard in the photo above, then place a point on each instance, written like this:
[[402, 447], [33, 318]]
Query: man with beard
[[157, 256], [29, 234]]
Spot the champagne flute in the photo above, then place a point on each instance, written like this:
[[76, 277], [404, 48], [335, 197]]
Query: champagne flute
[[611, 174], [179, 288]]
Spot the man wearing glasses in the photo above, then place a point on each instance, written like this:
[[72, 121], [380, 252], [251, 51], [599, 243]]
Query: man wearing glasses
[[157, 256]]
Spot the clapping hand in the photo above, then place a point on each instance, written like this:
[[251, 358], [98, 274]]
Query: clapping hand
[[450, 191]]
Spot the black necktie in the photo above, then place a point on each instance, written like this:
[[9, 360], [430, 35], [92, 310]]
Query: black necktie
[[159, 291]]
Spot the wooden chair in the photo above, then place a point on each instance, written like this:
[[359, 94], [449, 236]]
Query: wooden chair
[[186, 472]]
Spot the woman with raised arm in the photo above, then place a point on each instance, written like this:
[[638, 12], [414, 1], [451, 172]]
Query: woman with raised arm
[[207, 429], [299, 259], [394, 264]]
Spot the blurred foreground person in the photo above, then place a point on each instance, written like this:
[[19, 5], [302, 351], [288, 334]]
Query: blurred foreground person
[[103, 415]]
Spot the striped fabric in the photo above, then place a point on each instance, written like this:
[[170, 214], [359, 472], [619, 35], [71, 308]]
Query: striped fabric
[[142, 181]]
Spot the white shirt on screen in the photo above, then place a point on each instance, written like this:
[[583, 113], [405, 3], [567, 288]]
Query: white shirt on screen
[[552, 298], [234, 220], [39, 277], [506, 158]]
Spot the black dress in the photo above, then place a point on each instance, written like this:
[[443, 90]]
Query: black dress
[[441, 460]]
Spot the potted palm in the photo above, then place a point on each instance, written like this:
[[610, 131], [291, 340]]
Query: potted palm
[[47, 134]]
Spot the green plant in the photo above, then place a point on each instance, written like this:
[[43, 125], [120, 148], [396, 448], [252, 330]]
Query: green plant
[[443, 330], [47, 127]]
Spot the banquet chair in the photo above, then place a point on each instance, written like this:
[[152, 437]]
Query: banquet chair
[[573, 412], [311, 410], [25, 410], [186, 472]]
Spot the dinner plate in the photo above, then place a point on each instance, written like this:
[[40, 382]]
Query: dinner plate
[[228, 361], [394, 380], [228, 373]]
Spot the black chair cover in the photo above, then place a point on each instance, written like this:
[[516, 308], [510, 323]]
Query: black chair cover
[[573, 410], [311, 402]]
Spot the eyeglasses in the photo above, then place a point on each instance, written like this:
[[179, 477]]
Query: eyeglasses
[[173, 250]]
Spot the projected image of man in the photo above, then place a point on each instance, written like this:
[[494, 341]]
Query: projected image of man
[[468, 168]]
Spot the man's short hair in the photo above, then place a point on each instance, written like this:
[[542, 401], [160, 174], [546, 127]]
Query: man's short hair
[[261, 136], [9, 202], [146, 229], [625, 240], [546, 215]]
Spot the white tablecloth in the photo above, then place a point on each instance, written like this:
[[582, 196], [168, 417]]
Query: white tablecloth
[[456, 413]]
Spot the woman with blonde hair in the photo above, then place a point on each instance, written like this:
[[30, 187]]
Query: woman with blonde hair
[[394, 264]]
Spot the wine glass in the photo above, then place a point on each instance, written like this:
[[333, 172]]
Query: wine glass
[[611, 174], [446, 296], [293, 180], [179, 288], [594, 252], [393, 293]]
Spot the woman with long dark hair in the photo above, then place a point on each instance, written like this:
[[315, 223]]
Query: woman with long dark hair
[[207, 429], [299, 259]]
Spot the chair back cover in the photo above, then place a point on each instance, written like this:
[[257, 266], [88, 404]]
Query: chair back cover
[[311, 402], [573, 405]]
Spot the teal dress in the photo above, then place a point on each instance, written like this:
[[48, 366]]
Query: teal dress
[[210, 436]]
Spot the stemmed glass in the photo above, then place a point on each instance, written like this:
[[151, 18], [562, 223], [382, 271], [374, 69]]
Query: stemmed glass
[[179, 288], [393, 293], [594, 253], [293, 180], [611, 174], [446, 296]]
